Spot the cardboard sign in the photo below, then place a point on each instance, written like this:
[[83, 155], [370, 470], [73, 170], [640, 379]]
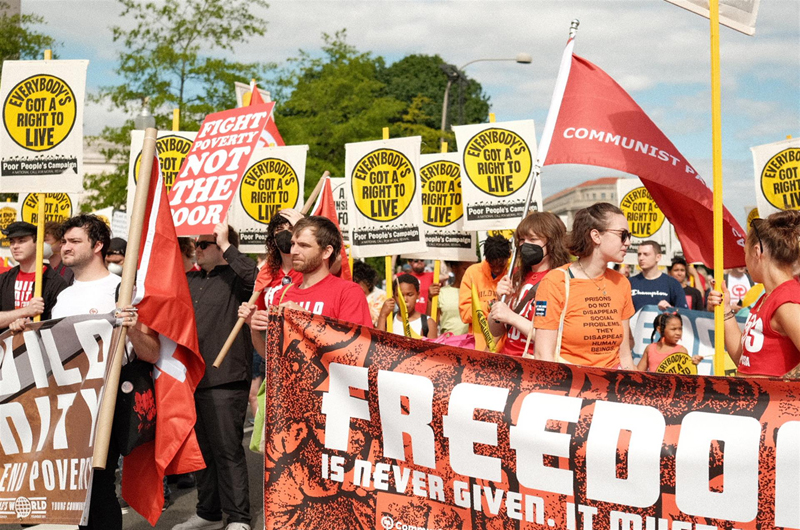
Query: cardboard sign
[[736, 14], [273, 180], [777, 173], [42, 133], [496, 170], [58, 207], [645, 219], [9, 212], [443, 210], [384, 197], [384, 431], [339, 189], [210, 174], [53, 380]]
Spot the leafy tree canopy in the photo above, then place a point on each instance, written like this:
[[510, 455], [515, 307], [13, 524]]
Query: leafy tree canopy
[[18, 39], [167, 57]]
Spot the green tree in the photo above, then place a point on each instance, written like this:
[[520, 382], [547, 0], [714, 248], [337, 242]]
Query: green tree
[[18, 39], [166, 58], [423, 75], [332, 100]]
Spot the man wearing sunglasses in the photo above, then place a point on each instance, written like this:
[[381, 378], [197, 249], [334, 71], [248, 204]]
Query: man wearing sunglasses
[[226, 279], [651, 286]]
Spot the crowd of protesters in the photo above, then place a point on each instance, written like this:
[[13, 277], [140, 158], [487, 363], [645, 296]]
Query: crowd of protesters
[[566, 298]]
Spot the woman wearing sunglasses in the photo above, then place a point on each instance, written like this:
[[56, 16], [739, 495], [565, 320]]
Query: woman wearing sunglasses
[[583, 309], [770, 344]]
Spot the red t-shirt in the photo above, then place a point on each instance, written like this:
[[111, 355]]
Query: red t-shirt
[[330, 297], [765, 351], [23, 289], [515, 341], [425, 281], [276, 284]]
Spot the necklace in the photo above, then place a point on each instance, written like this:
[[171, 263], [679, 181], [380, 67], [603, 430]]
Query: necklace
[[592, 279]]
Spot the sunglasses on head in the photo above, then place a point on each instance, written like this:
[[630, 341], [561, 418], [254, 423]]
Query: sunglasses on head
[[624, 234], [202, 245]]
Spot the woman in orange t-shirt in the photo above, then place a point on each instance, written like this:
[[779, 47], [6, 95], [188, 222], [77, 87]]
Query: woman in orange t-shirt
[[599, 306]]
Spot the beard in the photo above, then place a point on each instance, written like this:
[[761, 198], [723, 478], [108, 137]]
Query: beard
[[310, 264]]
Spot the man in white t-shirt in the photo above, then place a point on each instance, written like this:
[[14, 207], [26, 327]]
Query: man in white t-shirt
[[84, 244]]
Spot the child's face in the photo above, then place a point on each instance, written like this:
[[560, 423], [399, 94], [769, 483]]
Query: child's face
[[673, 331], [410, 296]]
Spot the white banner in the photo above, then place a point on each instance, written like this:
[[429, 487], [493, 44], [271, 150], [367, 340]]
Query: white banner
[[777, 173], [443, 210], [273, 180], [243, 94], [646, 221], [339, 189], [496, 171], [736, 14], [383, 194], [41, 141]]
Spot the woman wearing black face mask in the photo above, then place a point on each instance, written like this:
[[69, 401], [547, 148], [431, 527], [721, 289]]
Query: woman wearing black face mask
[[540, 247]]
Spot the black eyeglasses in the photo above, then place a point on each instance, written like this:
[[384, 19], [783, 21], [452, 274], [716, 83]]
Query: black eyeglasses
[[202, 245], [754, 225], [624, 235]]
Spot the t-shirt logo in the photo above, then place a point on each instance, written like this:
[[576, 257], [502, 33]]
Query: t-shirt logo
[[541, 308]]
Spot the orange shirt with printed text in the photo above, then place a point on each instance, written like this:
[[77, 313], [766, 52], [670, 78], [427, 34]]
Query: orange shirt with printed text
[[593, 329]]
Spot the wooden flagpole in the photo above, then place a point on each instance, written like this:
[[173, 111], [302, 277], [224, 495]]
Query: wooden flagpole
[[105, 416], [716, 135]]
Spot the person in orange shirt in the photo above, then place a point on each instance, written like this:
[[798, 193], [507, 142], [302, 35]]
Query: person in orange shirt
[[485, 275], [596, 324]]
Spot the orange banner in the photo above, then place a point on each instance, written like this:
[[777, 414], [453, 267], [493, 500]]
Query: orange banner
[[370, 430]]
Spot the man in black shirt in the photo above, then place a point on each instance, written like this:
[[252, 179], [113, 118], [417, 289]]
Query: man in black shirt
[[694, 298], [226, 279]]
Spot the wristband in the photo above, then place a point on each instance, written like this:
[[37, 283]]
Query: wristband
[[730, 314]]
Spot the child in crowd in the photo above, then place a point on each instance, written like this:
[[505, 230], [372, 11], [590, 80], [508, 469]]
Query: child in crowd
[[423, 325], [670, 327]]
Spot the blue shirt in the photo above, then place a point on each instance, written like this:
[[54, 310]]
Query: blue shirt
[[651, 292]]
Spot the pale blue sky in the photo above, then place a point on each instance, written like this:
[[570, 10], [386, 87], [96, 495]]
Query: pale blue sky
[[658, 52]]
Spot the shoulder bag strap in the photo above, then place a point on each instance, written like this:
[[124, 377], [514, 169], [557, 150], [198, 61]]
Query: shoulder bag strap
[[567, 276]]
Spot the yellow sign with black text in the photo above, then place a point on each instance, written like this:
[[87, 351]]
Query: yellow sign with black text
[[677, 363], [780, 179], [7, 216], [40, 112], [441, 193], [57, 207], [384, 184], [497, 161], [172, 151], [268, 186], [644, 216]]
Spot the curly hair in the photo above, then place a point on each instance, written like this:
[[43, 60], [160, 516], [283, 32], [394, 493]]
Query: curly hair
[[96, 230]]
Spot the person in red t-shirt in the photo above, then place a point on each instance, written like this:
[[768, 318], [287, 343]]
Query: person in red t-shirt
[[16, 285], [315, 245], [770, 344], [540, 247], [425, 280]]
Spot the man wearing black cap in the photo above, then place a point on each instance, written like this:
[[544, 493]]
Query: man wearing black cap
[[16, 285]]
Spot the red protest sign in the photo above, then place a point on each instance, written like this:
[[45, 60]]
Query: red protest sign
[[211, 172]]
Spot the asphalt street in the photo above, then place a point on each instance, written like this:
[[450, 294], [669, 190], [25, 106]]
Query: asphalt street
[[184, 501]]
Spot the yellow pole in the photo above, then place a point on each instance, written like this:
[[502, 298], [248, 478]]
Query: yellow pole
[[176, 120], [491, 117], [716, 136], [388, 265], [37, 286], [437, 265]]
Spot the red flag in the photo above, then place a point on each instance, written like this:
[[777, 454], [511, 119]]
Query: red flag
[[326, 207], [165, 306], [270, 135], [593, 121]]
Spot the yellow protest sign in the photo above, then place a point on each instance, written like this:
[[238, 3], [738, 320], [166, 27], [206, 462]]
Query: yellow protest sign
[[268, 186], [780, 179], [384, 183], [57, 207], [497, 161], [752, 214], [40, 112], [643, 214], [172, 150], [7, 216], [677, 363], [441, 193]]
